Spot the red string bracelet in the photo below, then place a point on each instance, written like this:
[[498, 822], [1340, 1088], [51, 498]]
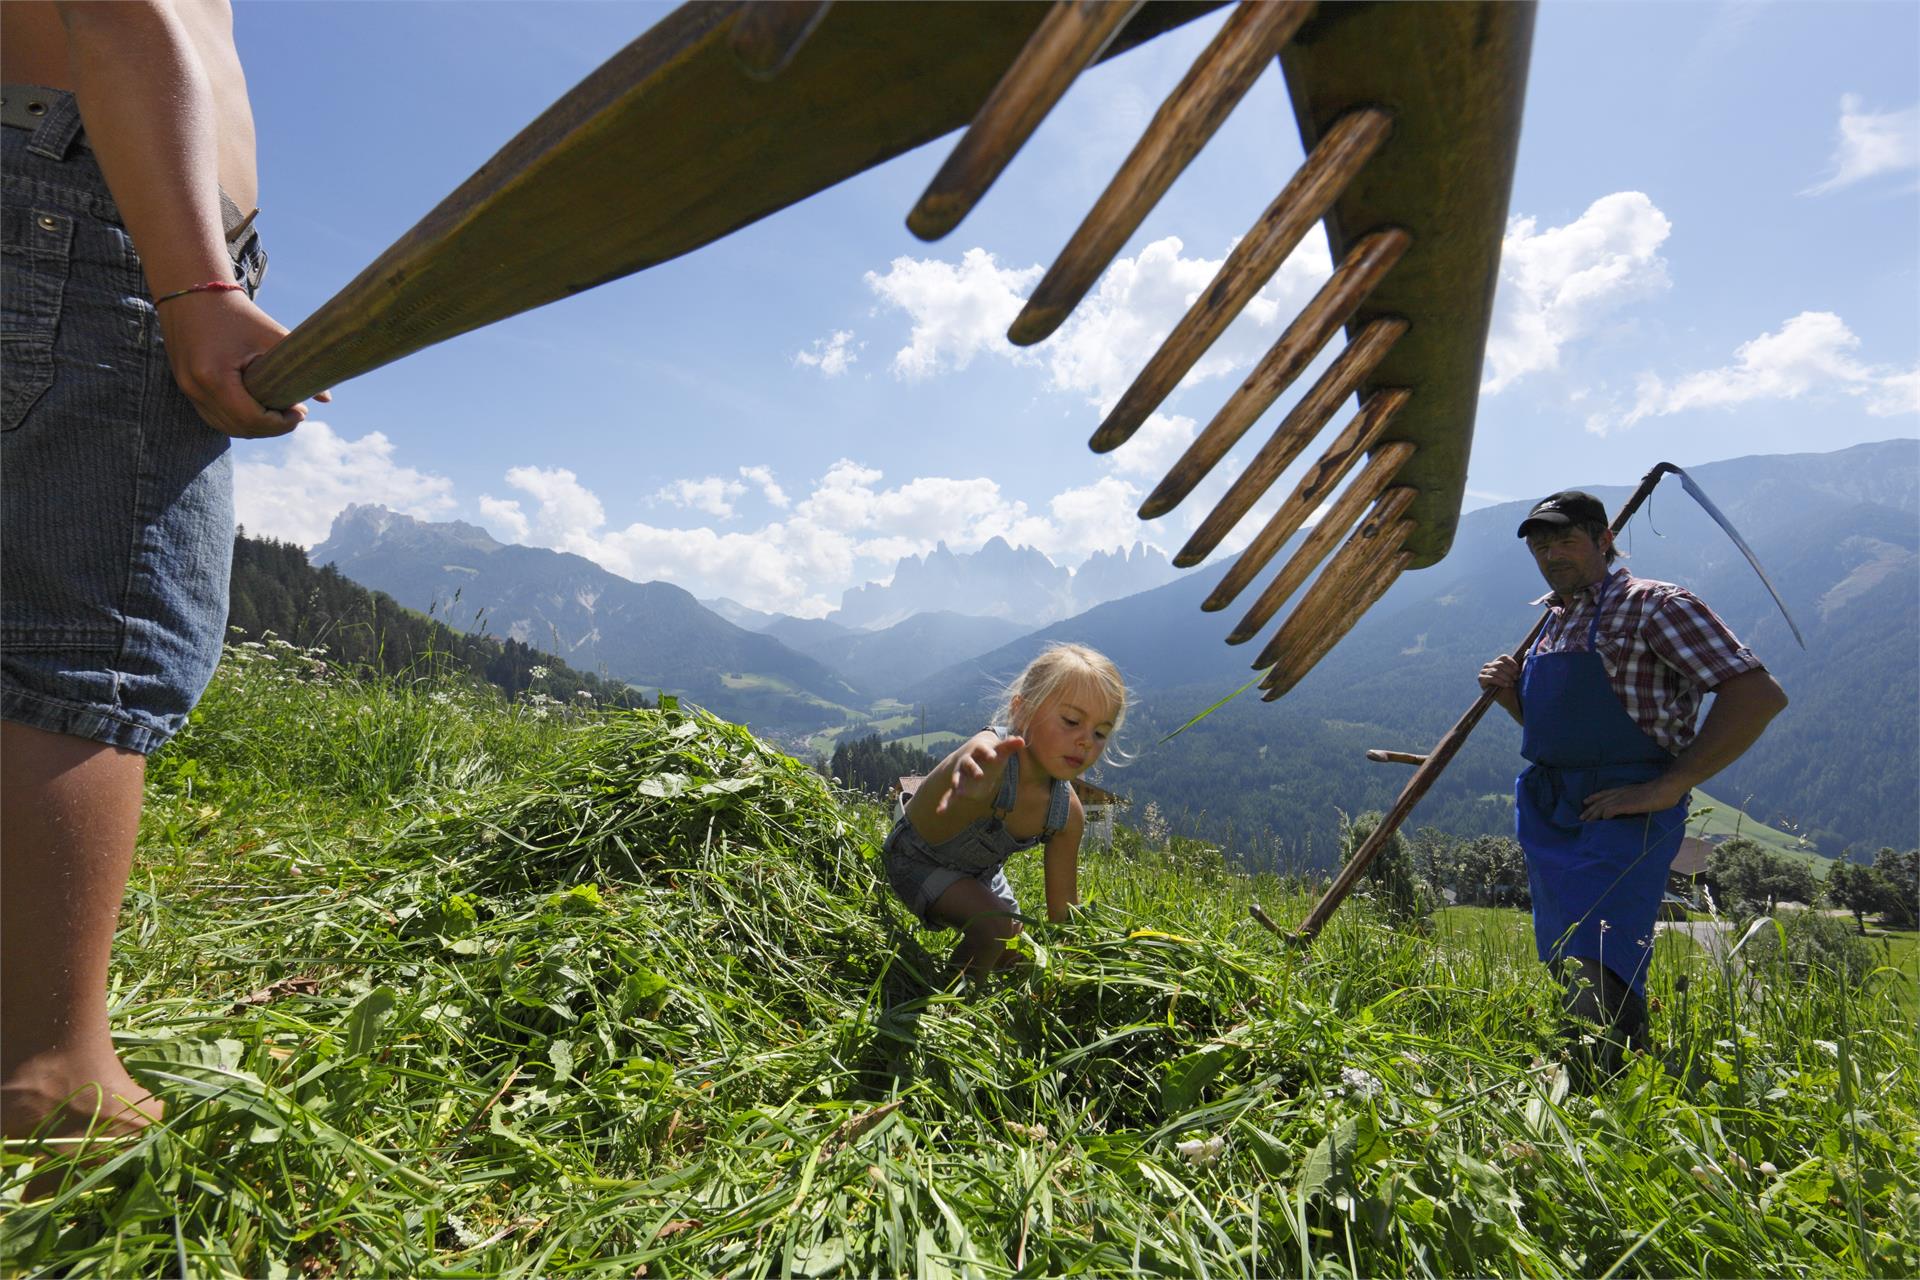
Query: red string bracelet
[[211, 286]]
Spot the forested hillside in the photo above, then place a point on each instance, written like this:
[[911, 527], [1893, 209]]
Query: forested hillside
[[652, 634], [276, 590]]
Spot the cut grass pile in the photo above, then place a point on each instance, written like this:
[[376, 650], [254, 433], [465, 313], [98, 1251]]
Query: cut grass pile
[[449, 988]]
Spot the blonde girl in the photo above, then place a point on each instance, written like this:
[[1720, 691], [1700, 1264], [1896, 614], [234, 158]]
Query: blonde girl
[[1006, 789]]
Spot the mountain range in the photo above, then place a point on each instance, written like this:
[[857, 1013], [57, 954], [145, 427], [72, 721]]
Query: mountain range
[[1839, 533], [651, 634], [1017, 584]]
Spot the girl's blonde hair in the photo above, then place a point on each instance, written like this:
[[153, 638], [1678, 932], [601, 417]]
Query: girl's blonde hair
[[1061, 667]]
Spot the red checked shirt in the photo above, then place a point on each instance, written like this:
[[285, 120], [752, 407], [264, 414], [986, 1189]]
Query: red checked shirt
[[1663, 648]]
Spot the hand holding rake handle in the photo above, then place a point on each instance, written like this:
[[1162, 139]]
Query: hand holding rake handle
[[1437, 760]]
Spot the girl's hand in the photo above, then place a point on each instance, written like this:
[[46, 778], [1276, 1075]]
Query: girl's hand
[[977, 769]]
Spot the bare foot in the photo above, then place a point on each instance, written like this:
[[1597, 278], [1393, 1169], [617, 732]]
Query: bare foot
[[69, 1118]]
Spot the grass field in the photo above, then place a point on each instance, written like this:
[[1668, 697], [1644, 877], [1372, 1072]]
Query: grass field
[[936, 743], [1712, 817], [437, 987]]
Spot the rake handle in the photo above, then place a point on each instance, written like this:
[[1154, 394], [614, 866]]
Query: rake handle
[[1437, 760]]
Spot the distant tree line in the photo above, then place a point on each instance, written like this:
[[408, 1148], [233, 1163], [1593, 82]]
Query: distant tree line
[[1890, 886], [1411, 877], [275, 588], [1747, 879], [870, 765]]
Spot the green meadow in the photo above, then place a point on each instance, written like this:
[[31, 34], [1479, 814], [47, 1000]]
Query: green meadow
[[433, 985]]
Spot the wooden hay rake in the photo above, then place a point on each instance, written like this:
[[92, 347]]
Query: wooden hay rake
[[726, 112]]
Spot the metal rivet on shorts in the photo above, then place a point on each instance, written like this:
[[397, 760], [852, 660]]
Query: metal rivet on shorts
[[49, 223], [36, 108]]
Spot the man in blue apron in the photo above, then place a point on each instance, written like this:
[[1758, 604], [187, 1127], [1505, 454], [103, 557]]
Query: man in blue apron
[[1607, 700]]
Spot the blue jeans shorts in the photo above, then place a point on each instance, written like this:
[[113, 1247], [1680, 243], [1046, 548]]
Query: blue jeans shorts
[[116, 500], [918, 879]]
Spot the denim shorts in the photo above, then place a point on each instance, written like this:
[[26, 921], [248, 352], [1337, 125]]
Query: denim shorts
[[918, 878], [116, 500]]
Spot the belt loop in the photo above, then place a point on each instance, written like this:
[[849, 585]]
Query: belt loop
[[59, 129]]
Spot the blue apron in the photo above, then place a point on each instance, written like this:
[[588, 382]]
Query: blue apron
[[1596, 885]]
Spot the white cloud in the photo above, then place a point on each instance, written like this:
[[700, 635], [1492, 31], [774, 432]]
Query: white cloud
[[318, 474], [831, 356], [1556, 285], [769, 488], [1871, 143], [850, 528], [1157, 445], [1095, 517], [769, 568], [1896, 393], [504, 517], [962, 512], [1115, 331], [565, 504], [957, 311], [1811, 353], [713, 495]]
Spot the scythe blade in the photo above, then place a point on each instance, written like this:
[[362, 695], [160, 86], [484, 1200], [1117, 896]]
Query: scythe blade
[[1719, 518]]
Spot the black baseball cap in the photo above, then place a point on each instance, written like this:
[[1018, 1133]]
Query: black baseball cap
[[1569, 506]]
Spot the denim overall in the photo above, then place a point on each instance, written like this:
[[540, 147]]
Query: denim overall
[[1596, 885], [920, 872]]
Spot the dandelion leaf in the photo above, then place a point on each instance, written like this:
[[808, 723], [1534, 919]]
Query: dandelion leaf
[[363, 1021], [1184, 1079]]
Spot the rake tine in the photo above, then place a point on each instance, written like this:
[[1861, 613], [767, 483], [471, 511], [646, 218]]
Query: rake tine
[[1320, 480], [1342, 378], [1378, 538], [1253, 262], [1071, 36], [1186, 120], [1332, 527], [1330, 308], [1334, 614], [767, 33]]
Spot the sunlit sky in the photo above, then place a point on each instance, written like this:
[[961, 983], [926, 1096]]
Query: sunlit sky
[[1711, 252]]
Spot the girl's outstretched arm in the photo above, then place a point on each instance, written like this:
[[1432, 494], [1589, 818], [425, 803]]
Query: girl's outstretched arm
[[1063, 865], [961, 788]]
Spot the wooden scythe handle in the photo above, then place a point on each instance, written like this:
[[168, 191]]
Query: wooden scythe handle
[[1380, 755]]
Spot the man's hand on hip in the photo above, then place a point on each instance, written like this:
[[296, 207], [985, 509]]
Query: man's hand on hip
[[1643, 797]]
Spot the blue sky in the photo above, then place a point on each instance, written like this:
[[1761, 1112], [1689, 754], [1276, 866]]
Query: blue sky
[[1712, 252]]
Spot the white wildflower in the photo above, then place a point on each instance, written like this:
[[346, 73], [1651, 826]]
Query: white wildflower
[[1201, 1151], [538, 673], [1361, 1084]]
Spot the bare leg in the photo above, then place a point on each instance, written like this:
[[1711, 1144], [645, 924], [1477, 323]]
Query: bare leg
[[986, 922], [69, 812]]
